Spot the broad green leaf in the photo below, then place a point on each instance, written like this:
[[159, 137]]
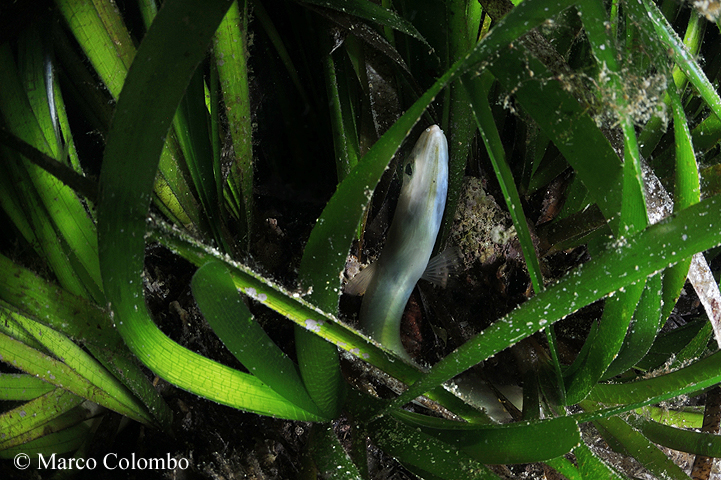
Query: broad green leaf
[[565, 467], [320, 369], [671, 343], [591, 467], [649, 17], [82, 321], [645, 325], [58, 443], [372, 12], [425, 454], [36, 413], [687, 191], [697, 443], [687, 417], [695, 348], [329, 456], [12, 329], [103, 38], [52, 305], [231, 48], [638, 446], [230, 319], [521, 442], [86, 366], [97, 385], [22, 387], [61, 420], [605, 342], [695, 377]]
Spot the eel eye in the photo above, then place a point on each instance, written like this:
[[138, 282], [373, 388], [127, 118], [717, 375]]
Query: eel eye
[[409, 169]]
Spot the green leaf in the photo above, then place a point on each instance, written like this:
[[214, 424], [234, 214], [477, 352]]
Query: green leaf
[[58, 443], [54, 205], [63, 417], [35, 413], [342, 118], [425, 454], [591, 467], [78, 372], [672, 342], [22, 387], [521, 442], [231, 44], [78, 182], [103, 38], [638, 446], [82, 321], [372, 12], [645, 325], [320, 369], [35, 296], [651, 18], [697, 443], [687, 191], [605, 342], [695, 377], [687, 417], [328, 454], [230, 319], [564, 466], [191, 127]]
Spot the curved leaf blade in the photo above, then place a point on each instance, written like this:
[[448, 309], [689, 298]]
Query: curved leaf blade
[[230, 319], [523, 442]]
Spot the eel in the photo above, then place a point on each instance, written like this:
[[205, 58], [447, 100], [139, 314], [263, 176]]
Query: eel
[[389, 282]]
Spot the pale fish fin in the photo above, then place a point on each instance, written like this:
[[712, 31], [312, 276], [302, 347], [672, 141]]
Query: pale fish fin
[[442, 265], [359, 283]]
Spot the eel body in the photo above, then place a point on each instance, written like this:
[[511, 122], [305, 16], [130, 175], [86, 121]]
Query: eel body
[[410, 240]]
